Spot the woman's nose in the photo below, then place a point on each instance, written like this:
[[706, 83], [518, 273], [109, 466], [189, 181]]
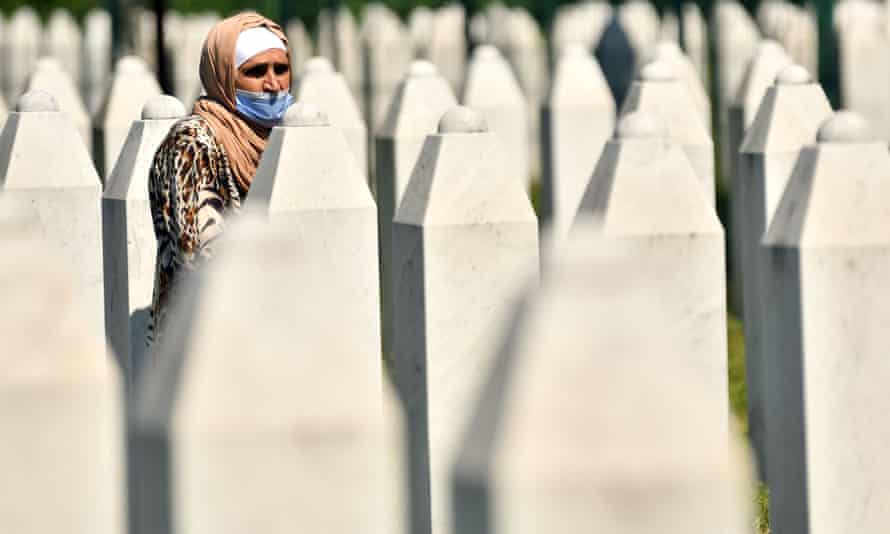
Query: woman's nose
[[271, 83]]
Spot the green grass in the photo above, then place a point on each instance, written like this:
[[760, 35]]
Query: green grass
[[739, 407]]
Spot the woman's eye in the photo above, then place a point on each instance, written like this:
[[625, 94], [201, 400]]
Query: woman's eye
[[281, 68], [256, 72]]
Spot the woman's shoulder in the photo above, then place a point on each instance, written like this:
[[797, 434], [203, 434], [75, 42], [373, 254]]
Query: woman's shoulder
[[191, 130]]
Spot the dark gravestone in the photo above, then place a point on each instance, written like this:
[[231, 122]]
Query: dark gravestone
[[617, 58]]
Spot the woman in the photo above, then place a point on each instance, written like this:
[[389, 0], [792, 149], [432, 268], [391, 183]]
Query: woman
[[203, 170]]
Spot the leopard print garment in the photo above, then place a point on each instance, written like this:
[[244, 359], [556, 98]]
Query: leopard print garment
[[191, 188]]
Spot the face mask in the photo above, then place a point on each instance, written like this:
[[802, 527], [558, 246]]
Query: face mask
[[266, 109]]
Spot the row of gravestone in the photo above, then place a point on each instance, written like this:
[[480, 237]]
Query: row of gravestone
[[462, 242], [262, 407]]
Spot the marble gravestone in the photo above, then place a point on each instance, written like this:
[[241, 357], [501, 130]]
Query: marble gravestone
[[464, 240], [660, 91], [584, 428], [419, 102], [327, 89], [303, 445], [62, 452], [788, 118], [20, 50], [577, 120], [129, 245], [645, 191], [308, 182], [828, 256], [50, 76], [65, 191], [492, 90], [132, 85], [97, 54]]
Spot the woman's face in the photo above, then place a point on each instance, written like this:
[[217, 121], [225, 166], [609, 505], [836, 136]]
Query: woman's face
[[266, 72]]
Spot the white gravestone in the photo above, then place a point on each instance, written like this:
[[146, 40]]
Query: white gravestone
[[492, 89], [131, 87], [464, 240], [418, 104], [645, 191], [672, 53], [302, 447], [526, 51], [300, 44], [308, 182], [21, 47], [44, 164], [97, 54], [448, 45], [62, 40], [695, 32], [659, 91], [827, 369], [789, 117], [129, 245], [761, 72], [62, 452], [320, 85], [585, 425], [388, 52], [578, 119], [50, 76], [338, 41]]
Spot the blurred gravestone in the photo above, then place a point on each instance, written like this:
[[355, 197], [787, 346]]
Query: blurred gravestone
[[492, 89], [128, 238], [97, 57], [51, 77], [62, 453], [131, 87], [21, 47], [322, 86], [44, 164], [464, 239]]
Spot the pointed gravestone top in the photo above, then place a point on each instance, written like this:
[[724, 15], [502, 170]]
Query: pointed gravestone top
[[836, 194], [422, 68], [26, 141], [794, 75], [163, 107], [658, 71], [789, 115], [845, 127], [303, 114], [128, 65], [643, 184], [418, 104], [640, 125], [317, 65], [33, 101], [462, 119], [769, 60]]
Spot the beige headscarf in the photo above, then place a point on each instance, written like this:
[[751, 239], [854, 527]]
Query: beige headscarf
[[243, 142]]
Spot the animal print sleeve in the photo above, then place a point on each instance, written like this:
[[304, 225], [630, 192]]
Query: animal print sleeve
[[187, 202]]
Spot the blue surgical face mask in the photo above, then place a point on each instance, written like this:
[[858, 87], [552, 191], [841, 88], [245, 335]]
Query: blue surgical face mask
[[266, 109]]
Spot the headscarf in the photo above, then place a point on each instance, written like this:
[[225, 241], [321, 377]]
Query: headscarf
[[242, 141]]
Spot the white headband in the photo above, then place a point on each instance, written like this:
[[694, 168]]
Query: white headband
[[253, 41]]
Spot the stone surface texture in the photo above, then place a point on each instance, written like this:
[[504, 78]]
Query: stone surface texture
[[329, 90], [65, 191], [788, 118], [492, 89], [465, 238], [660, 92], [829, 258], [62, 452], [129, 245], [596, 429], [578, 119]]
